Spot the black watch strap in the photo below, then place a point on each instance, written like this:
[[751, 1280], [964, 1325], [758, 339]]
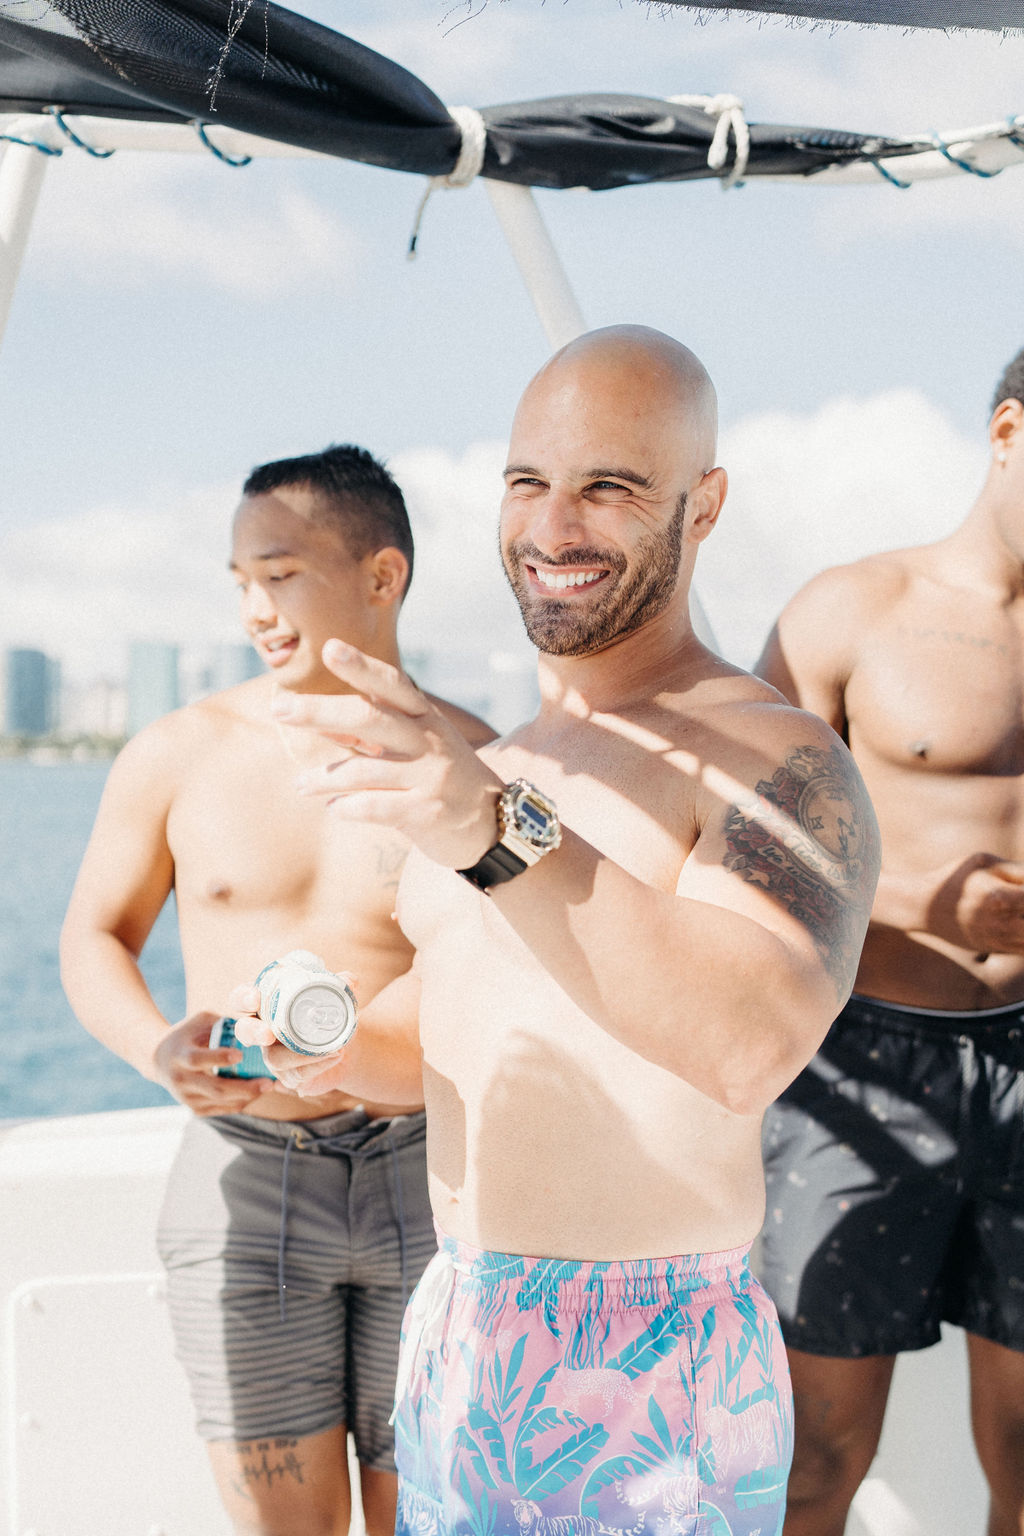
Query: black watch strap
[[497, 865]]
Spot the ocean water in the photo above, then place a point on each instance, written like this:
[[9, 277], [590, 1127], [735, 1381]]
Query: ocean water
[[49, 1065]]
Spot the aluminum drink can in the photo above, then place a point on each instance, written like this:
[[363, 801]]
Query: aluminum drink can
[[309, 1008], [251, 1064]]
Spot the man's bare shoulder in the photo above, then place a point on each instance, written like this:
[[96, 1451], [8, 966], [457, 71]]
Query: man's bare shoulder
[[745, 731], [849, 595], [166, 745], [710, 686], [818, 640], [243, 707], [476, 731], [752, 720]]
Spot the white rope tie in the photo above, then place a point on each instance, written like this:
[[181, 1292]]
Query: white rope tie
[[466, 168], [728, 113]]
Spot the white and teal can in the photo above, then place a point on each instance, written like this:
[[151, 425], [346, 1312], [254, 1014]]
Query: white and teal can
[[309, 1008]]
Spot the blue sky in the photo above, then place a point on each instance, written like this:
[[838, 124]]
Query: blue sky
[[178, 322]]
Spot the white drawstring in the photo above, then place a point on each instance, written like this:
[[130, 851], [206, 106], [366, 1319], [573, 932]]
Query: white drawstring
[[424, 1320]]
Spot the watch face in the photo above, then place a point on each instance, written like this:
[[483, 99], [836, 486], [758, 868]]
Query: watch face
[[533, 817]]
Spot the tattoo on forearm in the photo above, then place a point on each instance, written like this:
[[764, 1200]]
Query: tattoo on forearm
[[810, 840], [264, 1462]]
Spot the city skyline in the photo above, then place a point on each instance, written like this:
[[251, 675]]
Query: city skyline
[[37, 698], [160, 676]]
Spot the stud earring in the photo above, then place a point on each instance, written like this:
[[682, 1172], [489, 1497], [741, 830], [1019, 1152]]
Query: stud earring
[[1000, 458]]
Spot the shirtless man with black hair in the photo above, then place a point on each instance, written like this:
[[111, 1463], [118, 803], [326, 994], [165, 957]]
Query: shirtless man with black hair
[[896, 1161], [635, 918], [293, 1228]]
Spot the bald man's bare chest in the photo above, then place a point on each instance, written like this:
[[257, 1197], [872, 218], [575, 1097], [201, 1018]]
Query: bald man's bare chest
[[631, 792]]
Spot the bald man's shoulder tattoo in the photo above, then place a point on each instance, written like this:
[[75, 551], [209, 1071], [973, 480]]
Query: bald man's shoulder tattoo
[[810, 840]]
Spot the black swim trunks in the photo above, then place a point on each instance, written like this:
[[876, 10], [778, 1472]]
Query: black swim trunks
[[895, 1173]]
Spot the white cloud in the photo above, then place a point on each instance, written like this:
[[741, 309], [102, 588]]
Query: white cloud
[[486, 52], [963, 204], [459, 597], [875, 80], [142, 217], [806, 492], [81, 586]]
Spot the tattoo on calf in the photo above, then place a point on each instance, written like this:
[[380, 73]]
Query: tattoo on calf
[[810, 841]]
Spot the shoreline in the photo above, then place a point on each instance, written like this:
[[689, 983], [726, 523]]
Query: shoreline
[[47, 750]]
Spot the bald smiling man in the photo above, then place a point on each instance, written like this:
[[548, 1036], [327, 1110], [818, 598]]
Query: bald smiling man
[[635, 918]]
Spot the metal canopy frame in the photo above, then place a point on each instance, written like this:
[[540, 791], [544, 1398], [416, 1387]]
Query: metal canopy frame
[[28, 141]]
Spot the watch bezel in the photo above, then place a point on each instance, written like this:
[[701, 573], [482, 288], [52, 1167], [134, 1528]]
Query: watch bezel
[[516, 848], [511, 802]]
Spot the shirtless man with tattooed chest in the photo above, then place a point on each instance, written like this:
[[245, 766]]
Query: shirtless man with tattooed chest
[[665, 881], [896, 1161]]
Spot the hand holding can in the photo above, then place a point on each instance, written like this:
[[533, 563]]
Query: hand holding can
[[309, 1008], [251, 1065]]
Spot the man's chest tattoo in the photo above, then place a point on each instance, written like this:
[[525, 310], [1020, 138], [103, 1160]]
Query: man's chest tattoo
[[953, 637]]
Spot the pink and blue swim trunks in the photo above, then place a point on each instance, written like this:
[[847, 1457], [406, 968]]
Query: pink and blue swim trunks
[[542, 1397]]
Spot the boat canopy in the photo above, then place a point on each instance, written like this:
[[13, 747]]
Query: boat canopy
[[265, 71]]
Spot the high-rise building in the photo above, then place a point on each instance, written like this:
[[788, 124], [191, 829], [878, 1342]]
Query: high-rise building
[[234, 662], [31, 693], [152, 682], [96, 707], [213, 667]]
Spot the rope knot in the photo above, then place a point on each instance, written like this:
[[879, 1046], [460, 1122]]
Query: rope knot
[[472, 148], [727, 110]]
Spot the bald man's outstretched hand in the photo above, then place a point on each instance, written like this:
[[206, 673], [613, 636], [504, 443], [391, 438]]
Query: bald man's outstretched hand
[[401, 763]]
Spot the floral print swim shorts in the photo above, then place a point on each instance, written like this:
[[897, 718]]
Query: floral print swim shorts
[[541, 1397]]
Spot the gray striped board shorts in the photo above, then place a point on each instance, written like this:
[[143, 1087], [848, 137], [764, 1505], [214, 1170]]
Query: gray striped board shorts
[[291, 1248]]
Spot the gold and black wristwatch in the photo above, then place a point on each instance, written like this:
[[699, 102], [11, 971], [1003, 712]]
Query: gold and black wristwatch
[[528, 828]]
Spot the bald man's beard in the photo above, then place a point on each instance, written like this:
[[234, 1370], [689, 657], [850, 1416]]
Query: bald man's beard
[[646, 582]]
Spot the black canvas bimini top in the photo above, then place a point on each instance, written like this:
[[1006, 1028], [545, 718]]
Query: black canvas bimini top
[[265, 70]]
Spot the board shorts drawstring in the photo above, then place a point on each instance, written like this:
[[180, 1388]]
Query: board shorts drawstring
[[425, 1319]]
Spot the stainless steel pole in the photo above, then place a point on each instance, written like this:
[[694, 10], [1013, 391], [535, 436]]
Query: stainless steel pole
[[21, 177], [539, 263]]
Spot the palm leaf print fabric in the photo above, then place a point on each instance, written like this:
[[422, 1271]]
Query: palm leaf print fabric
[[544, 1397]]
